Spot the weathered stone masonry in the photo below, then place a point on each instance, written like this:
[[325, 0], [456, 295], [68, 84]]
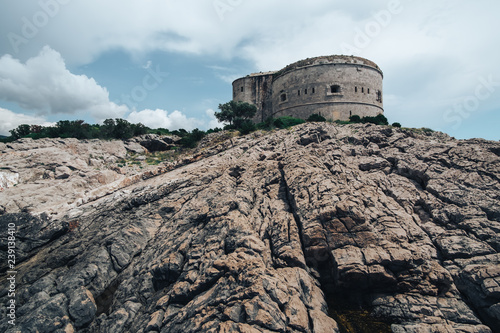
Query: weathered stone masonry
[[335, 87]]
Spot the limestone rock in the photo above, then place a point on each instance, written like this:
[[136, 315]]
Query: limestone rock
[[268, 232], [82, 307], [8, 179], [155, 142]]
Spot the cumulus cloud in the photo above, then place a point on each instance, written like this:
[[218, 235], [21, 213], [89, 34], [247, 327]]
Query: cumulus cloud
[[44, 84], [213, 122], [174, 120], [218, 27], [450, 42], [287, 31], [11, 120]]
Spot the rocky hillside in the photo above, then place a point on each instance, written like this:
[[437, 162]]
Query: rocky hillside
[[299, 230]]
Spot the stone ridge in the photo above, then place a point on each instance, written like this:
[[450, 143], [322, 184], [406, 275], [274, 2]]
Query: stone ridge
[[260, 233]]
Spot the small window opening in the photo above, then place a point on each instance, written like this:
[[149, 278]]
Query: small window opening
[[379, 96], [283, 97], [242, 89], [299, 92], [305, 91], [368, 90], [313, 90], [362, 89], [355, 89], [350, 114], [335, 89]]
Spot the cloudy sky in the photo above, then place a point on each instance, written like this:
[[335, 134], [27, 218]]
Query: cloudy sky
[[169, 63]]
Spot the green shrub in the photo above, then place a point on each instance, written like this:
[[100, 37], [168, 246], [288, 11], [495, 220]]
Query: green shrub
[[266, 125], [190, 140], [180, 132], [214, 130], [316, 117], [246, 127], [285, 122], [380, 119], [160, 131], [396, 125], [355, 118]]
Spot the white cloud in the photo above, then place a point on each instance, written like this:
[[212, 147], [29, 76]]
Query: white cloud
[[174, 120], [190, 26], [44, 84], [452, 43], [11, 120], [213, 122], [285, 30], [162, 119]]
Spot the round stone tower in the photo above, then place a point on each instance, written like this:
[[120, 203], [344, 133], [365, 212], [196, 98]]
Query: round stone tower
[[255, 89], [335, 87]]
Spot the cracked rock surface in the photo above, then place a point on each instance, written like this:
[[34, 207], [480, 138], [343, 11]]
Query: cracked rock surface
[[262, 233]]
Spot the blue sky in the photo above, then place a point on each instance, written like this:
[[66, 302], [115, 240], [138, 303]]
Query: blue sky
[[171, 63]]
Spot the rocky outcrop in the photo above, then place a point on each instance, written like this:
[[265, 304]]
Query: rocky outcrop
[[266, 233], [58, 173], [155, 142]]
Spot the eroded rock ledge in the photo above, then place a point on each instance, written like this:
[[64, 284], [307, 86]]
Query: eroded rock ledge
[[253, 235]]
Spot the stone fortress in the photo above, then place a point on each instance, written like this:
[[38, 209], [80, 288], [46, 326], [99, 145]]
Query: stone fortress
[[335, 87]]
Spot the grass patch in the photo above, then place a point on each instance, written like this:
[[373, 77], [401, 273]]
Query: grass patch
[[160, 157]]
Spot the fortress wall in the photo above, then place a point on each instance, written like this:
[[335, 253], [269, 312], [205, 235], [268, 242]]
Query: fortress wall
[[309, 90], [255, 89], [334, 86], [242, 90], [337, 111]]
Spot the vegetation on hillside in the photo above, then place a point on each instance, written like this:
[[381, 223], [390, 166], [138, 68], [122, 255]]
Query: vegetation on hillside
[[110, 129], [379, 119], [237, 116]]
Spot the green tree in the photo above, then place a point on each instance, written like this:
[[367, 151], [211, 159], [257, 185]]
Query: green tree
[[21, 131], [235, 113], [286, 121], [140, 129], [73, 129], [123, 129], [107, 128], [36, 129]]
